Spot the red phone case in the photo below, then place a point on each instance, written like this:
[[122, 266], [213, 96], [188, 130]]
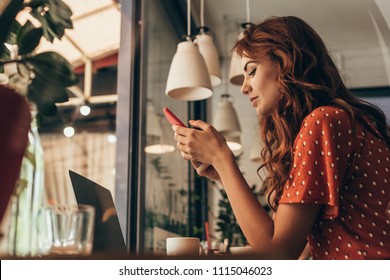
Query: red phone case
[[172, 118]]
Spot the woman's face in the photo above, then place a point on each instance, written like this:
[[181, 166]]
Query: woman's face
[[260, 84]]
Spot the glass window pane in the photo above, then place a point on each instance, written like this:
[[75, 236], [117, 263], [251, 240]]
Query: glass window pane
[[166, 202]]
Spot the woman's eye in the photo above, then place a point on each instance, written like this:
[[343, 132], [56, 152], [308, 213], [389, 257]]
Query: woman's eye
[[252, 73]]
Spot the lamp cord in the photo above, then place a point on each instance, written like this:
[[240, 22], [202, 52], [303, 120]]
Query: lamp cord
[[226, 70], [201, 13], [247, 11], [188, 19]]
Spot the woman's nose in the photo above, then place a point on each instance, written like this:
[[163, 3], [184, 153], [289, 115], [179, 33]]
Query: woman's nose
[[245, 88]]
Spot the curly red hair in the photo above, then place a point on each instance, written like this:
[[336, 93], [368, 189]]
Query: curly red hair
[[308, 79]]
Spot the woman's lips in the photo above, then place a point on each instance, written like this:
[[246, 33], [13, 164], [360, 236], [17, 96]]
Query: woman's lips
[[253, 100]]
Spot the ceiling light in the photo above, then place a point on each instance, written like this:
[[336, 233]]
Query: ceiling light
[[255, 153], [208, 50], [188, 77], [157, 142], [226, 122], [85, 110], [236, 76], [111, 138], [69, 131], [159, 149], [234, 143], [210, 55], [226, 119], [153, 126]]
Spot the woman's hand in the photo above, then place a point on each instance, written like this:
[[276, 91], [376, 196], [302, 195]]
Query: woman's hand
[[206, 170], [202, 145]]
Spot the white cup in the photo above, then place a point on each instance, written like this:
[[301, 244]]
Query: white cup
[[183, 246]]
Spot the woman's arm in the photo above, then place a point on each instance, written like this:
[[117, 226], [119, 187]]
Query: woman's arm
[[306, 254], [281, 238]]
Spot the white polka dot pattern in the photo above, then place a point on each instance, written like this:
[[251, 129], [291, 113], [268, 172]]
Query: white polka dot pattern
[[348, 173]]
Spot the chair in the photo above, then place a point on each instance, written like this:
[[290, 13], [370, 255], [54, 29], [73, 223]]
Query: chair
[[15, 120]]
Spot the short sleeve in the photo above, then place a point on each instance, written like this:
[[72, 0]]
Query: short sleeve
[[322, 150]]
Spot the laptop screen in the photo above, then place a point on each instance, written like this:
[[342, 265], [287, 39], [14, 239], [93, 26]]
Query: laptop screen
[[107, 235]]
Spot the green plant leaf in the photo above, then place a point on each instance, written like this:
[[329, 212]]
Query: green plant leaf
[[13, 33], [47, 32], [22, 70], [55, 19], [18, 83], [41, 92], [52, 69], [7, 17], [53, 74], [45, 98], [5, 54], [41, 85], [60, 13], [28, 38], [35, 3]]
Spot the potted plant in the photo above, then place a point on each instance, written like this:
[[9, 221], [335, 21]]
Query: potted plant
[[42, 78]]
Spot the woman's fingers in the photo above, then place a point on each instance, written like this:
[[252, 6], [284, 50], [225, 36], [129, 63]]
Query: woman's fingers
[[181, 145], [195, 164], [191, 141], [199, 124], [180, 130], [202, 168]]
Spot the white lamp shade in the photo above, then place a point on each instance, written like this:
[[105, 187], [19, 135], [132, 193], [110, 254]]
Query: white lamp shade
[[153, 127], [188, 77], [210, 55], [226, 119], [255, 152], [236, 76], [158, 138], [159, 149], [234, 143]]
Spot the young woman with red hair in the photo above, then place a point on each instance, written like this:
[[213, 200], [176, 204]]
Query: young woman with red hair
[[326, 152]]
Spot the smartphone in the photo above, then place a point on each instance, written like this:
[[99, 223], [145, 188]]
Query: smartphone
[[172, 118]]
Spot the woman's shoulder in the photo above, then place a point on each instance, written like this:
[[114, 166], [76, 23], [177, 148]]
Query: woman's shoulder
[[328, 115], [327, 120]]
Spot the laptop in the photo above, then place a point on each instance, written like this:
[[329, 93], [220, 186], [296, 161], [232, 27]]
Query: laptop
[[108, 237]]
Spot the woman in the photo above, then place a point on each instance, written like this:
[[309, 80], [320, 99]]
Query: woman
[[326, 152]]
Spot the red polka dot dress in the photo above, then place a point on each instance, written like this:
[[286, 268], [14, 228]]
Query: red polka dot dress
[[348, 172]]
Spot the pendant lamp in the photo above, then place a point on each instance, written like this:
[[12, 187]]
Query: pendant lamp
[[255, 152], [208, 50], [226, 122], [234, 143], [153, 127], [156, 142], [188, 77], [235, 72], [210, 55], [236, 76]]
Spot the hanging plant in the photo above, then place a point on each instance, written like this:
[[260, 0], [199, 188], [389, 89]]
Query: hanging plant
[[44, 77]]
